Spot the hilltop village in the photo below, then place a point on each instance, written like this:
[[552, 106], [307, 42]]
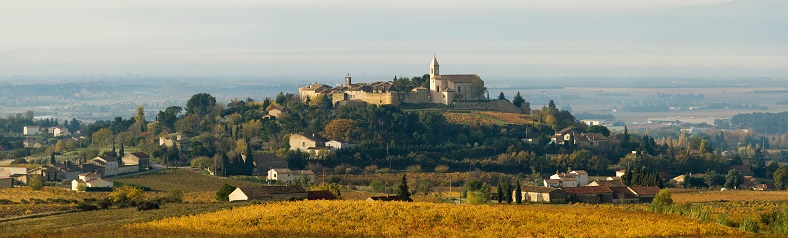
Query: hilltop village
[[461, 91]]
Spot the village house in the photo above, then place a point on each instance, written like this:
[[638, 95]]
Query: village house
[[268, 193], [286, 175], [109, 163], [89, 180], [265, 162], [575, 178], [140, 159], [31, 130], [608, 183], [60, 131], [18, 174], [765, 187], [339, 144], [624, 195], [645, 194], [32, 143], [541, 194], [570, 136], [175, 139], [309, 142]]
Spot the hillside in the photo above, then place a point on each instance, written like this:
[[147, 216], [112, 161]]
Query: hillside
[[183, 180], [397, 219]]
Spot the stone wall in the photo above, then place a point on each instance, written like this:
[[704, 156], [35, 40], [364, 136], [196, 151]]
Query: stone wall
[[375, 98], [495, 105]]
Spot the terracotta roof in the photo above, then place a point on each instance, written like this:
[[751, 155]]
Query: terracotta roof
[[564, 131], [645, 191], [320, 195], [623, 193], [106, 158], [609, 183], [268, 161], [262, 191], [90, 174], [282, 170], [595, 136], [460, 78], [297, 172], [588, 190], [313, 136], [140, 155], [580, 171], [537, 189]]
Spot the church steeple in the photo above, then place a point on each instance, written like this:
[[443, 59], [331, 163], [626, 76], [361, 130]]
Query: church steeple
[[434, 68]]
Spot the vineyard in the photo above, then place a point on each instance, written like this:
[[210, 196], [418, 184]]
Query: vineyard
[[691, 195], [398, 219], [480, 118], [182, 180]]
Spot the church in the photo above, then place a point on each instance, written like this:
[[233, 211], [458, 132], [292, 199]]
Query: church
[[463, 91]]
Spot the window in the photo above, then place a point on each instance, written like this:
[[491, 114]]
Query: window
[[303, 143], [458, 89]]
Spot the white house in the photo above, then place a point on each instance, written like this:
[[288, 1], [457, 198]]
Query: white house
[[110, 164], [575, 178], [60, 131], [32, 130], [286, 175], [92, 180], [338, 144]]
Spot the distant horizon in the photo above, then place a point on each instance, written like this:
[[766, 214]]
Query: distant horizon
[[507, 39]]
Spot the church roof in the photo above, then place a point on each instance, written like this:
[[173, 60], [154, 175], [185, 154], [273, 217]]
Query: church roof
[[460, 78], [434, 61]]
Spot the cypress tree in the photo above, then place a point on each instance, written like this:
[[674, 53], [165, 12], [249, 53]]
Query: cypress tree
[[518, 195], [508, 192], [500, 192], [403, 190], [122, 151]]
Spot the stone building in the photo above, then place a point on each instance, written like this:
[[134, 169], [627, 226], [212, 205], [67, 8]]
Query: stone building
[[463, 91]]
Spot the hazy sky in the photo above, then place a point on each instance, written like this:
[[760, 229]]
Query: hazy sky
[[509, 38]]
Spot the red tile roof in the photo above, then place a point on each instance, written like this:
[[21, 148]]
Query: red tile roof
[[588, 190], [321, 195], [646, 191]]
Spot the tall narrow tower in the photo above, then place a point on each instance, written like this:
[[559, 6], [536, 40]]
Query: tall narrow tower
[[434, 74], [434, 68]]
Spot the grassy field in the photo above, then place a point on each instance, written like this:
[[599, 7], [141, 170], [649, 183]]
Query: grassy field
[[104, 219], [398, 219], [486, 118]]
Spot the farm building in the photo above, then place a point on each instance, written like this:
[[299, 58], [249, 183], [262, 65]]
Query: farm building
[[590, 194], [6, 182], [542, 194], [645, 194], [320, 195], [268, 193]]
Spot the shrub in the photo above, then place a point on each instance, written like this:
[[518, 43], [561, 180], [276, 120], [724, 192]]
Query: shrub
[[174, 196], [662, 201], [126, 196], [377, 185], [224, 192], [86, 206], [414, 168], [748, 225], [36, 182], [148, 206], [441, 169], [722, 219]]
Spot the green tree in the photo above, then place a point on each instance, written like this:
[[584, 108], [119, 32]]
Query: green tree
[[500, 192], [518, 100], [661, 201], [280, 98], [501, 96], [598, 129], [480, 195], [733, 179], [518, 195], [122, 151], [402, 189], [52, 159], [224, 192], [551, 105], [36, 182], [200, 104], [781, 177]]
